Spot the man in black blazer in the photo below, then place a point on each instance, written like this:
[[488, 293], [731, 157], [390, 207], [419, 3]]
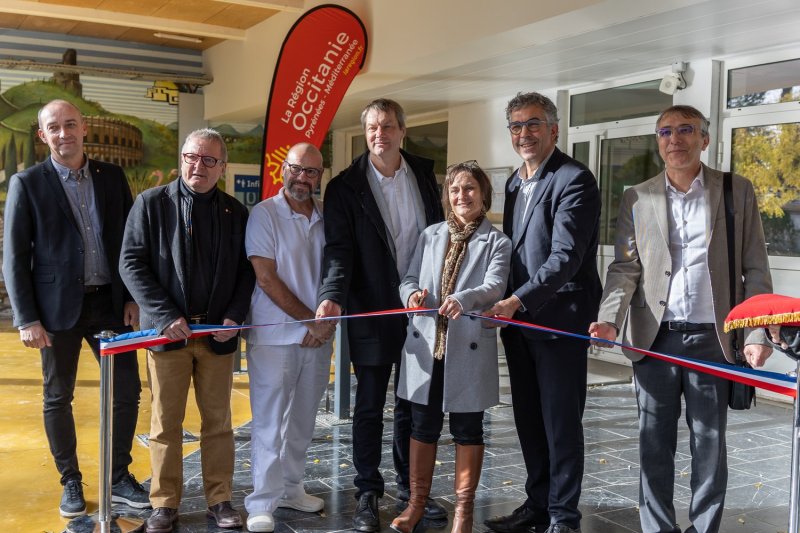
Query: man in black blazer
[[183, 260], [64, 221], [374, 212], [552, 213]]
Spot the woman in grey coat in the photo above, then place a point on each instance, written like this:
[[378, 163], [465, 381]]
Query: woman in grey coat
[[449, 360]]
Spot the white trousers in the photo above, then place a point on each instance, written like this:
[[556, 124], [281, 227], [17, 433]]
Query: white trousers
[[286, 386]]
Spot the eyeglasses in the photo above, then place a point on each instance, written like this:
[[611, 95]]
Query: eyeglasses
[[683, 129], [311, 172], [533, 125], [470, 166], [207, 160]]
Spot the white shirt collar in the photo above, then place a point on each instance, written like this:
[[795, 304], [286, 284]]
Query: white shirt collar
[[698, 181], [400, 171]]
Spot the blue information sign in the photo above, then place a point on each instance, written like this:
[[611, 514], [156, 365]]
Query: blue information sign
[[247, 189]]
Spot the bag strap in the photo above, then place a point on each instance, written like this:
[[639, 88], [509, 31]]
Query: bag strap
[[730, 229]]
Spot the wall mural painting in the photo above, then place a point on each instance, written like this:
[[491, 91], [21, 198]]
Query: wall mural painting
[[128, 123]]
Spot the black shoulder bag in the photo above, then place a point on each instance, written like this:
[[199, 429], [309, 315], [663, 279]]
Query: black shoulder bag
[[742, 396]]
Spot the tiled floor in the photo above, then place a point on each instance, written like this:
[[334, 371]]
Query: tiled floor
[[759, 445]]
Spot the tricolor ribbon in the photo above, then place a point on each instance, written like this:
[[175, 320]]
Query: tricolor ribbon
[[148, 338], [771, 381], [764, 379]]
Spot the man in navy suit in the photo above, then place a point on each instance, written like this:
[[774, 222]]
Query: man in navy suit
[[552, 213], [64, 222]]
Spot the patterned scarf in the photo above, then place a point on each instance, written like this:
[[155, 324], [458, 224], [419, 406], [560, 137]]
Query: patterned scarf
[[456, 250]]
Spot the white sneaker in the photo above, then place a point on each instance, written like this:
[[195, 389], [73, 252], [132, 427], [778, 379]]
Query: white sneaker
[[260, 522], [304, 502]]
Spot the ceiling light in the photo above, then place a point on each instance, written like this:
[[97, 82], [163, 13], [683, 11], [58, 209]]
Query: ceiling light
[[177, 37]]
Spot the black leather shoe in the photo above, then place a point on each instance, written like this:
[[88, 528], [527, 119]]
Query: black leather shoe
[[162, 520], [366, 516], [433, 510], [517, 522], [225, 515], [562, 528]]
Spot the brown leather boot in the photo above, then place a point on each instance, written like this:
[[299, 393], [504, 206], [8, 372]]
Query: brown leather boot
[[422, 458], [469, 460]]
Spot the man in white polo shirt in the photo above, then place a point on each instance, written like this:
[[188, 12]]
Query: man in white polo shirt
[[288, 364]]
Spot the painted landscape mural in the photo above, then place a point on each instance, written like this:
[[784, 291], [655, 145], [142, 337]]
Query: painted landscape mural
[[133, 124]]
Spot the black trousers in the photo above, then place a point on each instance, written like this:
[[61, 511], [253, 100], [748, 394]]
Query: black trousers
[[548, 391], [427, 419], [373, 382], [59, 371]]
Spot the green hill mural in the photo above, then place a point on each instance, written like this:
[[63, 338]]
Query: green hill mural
[[145, 149]]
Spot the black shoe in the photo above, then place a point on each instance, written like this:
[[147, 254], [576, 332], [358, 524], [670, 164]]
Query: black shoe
[[562, 528], [130, 492], [162, 520], [433, 510], [72, 501], [366, 516], [517, 522]]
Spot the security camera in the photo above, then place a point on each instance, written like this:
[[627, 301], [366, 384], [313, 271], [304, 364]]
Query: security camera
[[672, 82]]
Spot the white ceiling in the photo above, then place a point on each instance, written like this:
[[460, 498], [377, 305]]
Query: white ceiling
[[435, 54], [601, 41]]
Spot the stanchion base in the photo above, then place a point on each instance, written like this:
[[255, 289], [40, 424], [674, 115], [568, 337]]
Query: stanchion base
[[121, 524]]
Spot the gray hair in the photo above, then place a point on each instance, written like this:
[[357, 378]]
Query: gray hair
[[686, 111], [385, 105], [523, 100], [206, 134]]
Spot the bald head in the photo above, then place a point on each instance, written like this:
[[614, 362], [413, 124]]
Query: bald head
[[52, 105], [300, 150], [62, 128]]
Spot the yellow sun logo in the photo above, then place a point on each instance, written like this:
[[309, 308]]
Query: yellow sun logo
[[273, 161]]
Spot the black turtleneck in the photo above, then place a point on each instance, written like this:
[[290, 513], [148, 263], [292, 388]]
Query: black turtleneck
[[201, 245]]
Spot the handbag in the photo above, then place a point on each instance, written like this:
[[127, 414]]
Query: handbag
[[741, 396]]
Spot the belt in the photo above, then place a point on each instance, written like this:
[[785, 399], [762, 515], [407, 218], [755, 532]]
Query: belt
[[197, 319], [90, 289], [674, 325]]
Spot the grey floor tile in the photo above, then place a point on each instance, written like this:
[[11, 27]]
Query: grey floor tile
[[759, 444]]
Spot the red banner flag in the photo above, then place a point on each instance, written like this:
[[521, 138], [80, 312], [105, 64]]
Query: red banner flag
[[320, 56]]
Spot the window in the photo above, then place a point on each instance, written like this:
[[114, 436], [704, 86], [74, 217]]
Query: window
[[428, 140], [581, 151], [358, 145], [768, 155], [770, 83], [618, 103], [624, 161], [761, 138]]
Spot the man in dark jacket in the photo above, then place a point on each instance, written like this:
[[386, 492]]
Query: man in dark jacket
[[64, 221], [184, 262], [552, 213], [374, 212]]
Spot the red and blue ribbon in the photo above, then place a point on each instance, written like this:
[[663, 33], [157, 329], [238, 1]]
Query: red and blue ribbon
[[771, 381]]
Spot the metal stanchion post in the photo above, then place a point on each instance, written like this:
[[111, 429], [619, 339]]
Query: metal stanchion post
[[794, 497], [341, 395], [105, 522]]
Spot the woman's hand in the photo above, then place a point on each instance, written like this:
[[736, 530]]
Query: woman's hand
[[418, 298], [450, 308]]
